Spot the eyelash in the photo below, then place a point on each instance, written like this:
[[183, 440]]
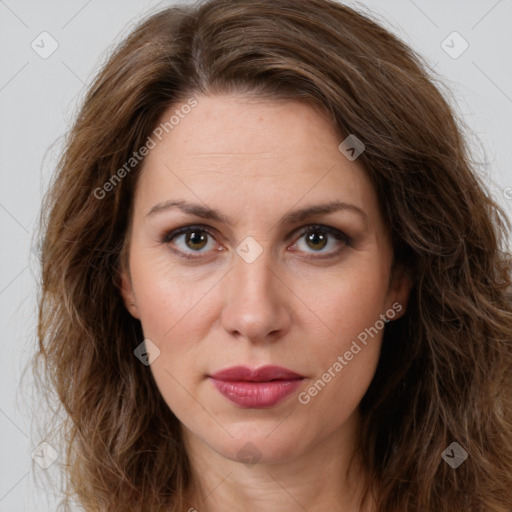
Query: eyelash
[[315, 228]]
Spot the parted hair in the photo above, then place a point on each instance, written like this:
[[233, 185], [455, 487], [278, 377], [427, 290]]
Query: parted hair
[[444, 373]]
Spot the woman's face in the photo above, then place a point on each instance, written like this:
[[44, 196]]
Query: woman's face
[[286, 263]]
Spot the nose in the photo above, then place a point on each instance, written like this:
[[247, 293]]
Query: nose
[[257, 303]]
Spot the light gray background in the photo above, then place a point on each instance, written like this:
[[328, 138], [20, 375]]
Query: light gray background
[[38, 99]]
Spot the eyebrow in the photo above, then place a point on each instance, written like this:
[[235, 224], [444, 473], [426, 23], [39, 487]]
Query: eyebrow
[[291, 217]]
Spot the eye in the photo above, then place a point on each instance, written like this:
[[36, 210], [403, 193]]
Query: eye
[[193, 241], [319, 237], [189, 240]]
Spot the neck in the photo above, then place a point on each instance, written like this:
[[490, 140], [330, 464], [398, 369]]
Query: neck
[[327, 476]]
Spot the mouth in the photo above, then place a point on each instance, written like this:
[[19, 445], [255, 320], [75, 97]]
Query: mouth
[[256, 388]]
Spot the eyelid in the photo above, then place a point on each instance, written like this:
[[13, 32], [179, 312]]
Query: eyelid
[[168, 236], [330, 231], [173, 233], [335, 232]]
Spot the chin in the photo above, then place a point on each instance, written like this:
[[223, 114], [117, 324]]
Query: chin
[[269, 444]]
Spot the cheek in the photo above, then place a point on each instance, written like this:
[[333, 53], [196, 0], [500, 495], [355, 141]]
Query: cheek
[[166, 293], [332, 399], [350, 306], [350, 299], [344, 367]]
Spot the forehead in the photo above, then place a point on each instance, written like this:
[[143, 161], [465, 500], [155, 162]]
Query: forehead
[[241, 126], [241, 148]]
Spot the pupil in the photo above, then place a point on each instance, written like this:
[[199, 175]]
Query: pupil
[[197, 238], [315, 238]]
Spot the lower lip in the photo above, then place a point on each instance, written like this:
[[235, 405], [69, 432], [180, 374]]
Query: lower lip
[[257, 395]]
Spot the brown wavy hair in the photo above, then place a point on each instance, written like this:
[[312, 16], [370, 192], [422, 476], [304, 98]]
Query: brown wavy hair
[[445, 373]]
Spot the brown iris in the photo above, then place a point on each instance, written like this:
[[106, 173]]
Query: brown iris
[[316, 238], [197, 239]]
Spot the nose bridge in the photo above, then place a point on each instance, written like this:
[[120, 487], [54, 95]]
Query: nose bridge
[[254, 277], [255, 302]]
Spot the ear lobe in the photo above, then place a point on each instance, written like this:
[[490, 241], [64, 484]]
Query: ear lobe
[[126, 290], [399, 291]]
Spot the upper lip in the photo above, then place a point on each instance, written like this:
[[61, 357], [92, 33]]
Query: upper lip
[[262, 374]]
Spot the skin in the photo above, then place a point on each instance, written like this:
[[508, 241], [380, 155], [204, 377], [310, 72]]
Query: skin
[[255, 161]]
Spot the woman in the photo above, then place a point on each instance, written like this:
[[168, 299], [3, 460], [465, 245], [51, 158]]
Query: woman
[[271, 279]]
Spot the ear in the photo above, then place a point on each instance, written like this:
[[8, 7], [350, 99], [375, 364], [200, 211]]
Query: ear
[[399, 291], [126, 290]]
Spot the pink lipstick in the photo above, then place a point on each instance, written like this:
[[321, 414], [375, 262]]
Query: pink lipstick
[[256, 388]]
